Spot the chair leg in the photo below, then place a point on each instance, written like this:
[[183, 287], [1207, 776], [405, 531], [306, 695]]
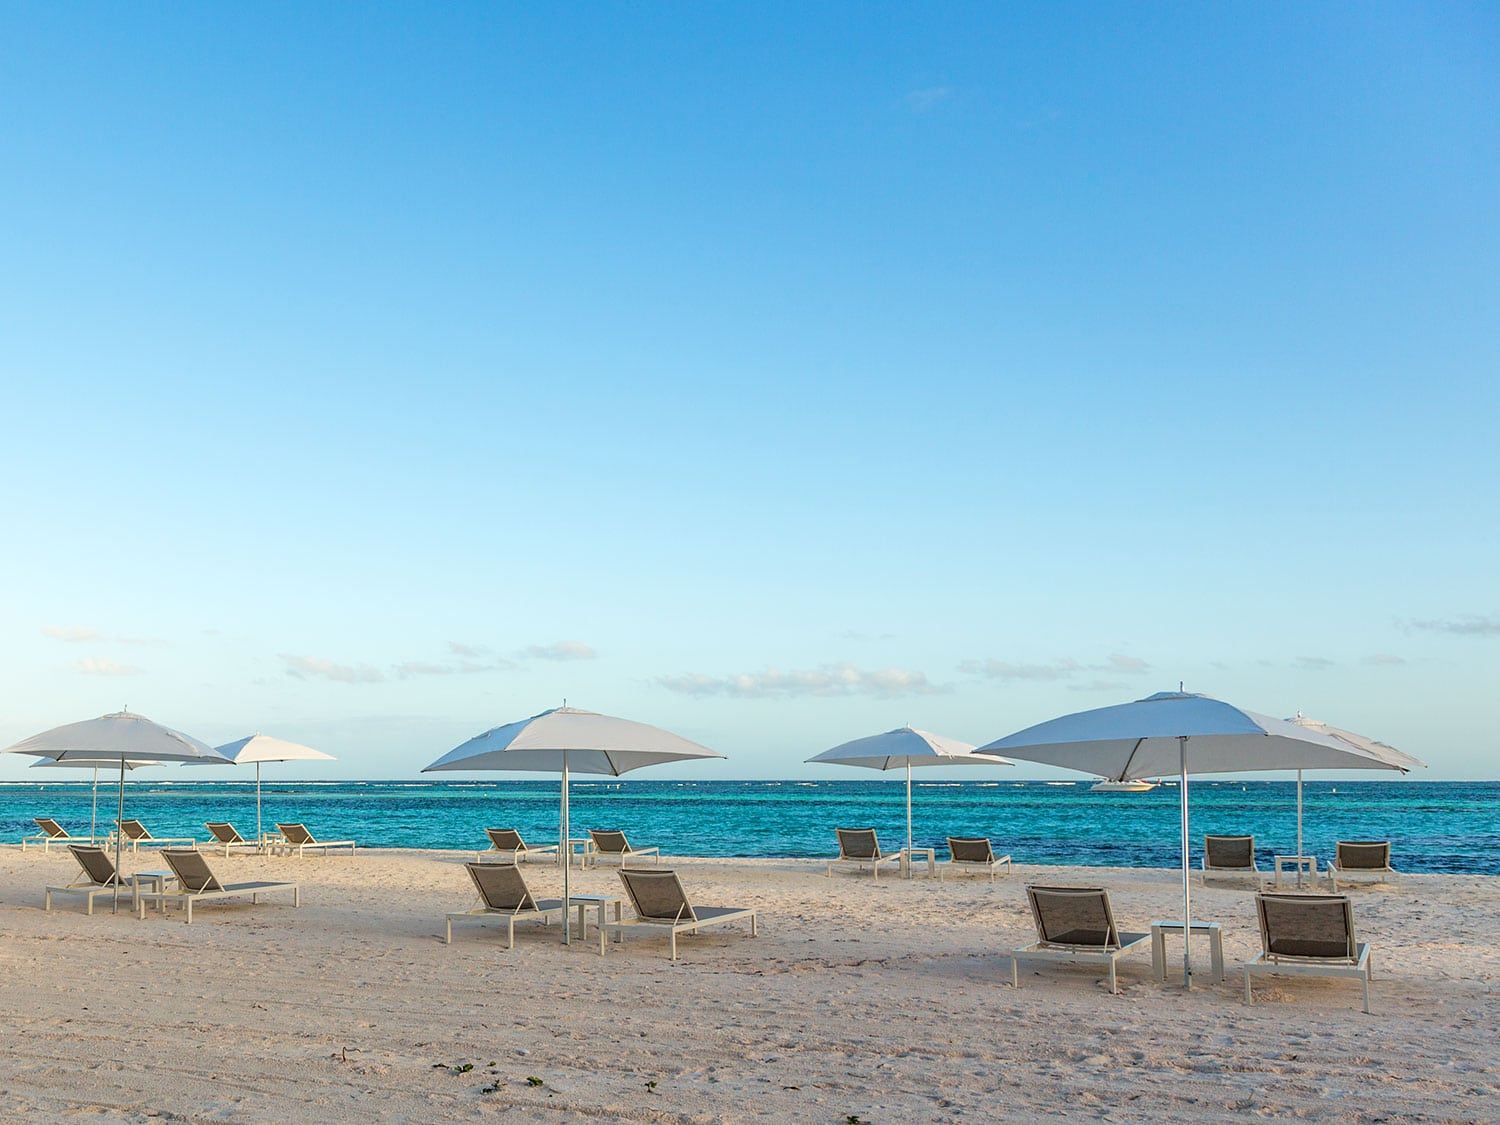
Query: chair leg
[[449, 939], [672, 938], [1113, 987], [1249, 1000], [1015, 974], [1364, 984]]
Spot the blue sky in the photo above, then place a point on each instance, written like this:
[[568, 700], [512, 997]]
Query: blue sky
[[374, 375]]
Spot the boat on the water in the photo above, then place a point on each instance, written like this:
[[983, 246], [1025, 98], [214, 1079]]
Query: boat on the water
[[1133, 786]]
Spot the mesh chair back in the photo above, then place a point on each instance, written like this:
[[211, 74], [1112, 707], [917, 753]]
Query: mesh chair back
[[96, 865], [1307, 926], [971, 849], [191, 870], [610, 843], [1229, 851], [296, 833], [51, 827], [505, 839], [133, 830], [657, 896], [858, 843], [501, 886], [1074, 916], [225, 833], [1364, 855]]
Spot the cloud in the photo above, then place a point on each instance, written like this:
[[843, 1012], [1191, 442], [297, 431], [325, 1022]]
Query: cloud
[[828, 680], [1469, 625], [457, 648], [1385, 658], [70, 633], [920, 101], [561, 650], [1116, 664], [308, 667], [101, 666], [1314, 662], [414, 668]]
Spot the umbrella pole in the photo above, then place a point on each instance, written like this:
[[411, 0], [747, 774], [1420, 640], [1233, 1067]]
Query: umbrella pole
[[1187, 894], [259, 837], [564, 849], [119, 835], [1299, 826], [908, 818], [94, 814]]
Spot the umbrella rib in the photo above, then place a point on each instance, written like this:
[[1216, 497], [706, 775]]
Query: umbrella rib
[[1125, 769]]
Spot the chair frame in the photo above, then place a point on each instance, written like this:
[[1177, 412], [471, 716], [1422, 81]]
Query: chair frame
[[1355, 965], [283, 844], [517, 854], [93, 888], [46, 838], [546, 909], [860, 862], [1337, 871], [134, 842], [187, 897], [624, 855], [1213, 870], [1107, 954], [689, 919], [237, 843], [977, 866]]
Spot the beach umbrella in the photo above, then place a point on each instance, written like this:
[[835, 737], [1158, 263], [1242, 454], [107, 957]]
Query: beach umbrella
[[260, 748], [1179, 732], [84, 764], [1394, 759], [907, 747], [116, 739], [568, 740]]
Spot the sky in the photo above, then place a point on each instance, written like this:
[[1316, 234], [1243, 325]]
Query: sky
[[372, 375]]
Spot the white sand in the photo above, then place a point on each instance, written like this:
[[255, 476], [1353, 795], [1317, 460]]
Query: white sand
[[891, 1002]]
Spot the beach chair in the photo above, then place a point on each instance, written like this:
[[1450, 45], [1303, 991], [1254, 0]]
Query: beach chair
[[973, 853], [1311, 935], [507, 841], [227, 836], [660, 903], [196, 883], [613, 845], [1361, 859], [859, 849], [52, 833], [100, 877], [296, 838], [1075, 924], [503, 894], [1228, 855], [135, 834]]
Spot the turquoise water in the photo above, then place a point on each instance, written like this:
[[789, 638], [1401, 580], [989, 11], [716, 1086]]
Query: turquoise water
[[1433, 826]]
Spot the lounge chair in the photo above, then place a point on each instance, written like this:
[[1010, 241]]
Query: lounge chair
[[613, 845], [1228, 855], [196, 883], [136, 834], [296, 838], [661, 903], [508, 841], [101, 878], [52, 833], [973, 853], [1362, 858], [228, 837], [1311, 934], [859, 848], [1075, 924], [503, 894]]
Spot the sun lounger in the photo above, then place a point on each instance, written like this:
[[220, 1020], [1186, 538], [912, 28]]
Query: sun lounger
[[1309, 934], [1361, 859], [973, 853], [1228, 855], [503, 894], [296, 838], [196, 883], [52, 833], [660, 903], [136, 834], [613, 845], [859, 848], [100, 877], [228, 837], [507, 841], [1075, 924]]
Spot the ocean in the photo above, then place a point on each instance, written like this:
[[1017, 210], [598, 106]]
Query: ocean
[[1433, 826]]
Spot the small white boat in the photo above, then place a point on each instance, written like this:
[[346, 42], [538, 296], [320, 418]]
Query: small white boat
[[1107, 786]]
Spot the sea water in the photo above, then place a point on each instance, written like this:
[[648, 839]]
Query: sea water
[[1432, 826]]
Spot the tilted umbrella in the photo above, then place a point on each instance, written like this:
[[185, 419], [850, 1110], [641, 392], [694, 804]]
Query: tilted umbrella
[[1394, 759], [260, 748], [907, 747], [118, 738], [569, 740], [84, 764], [1177, 731]]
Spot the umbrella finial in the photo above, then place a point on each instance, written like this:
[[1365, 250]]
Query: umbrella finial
[[1180, 689]]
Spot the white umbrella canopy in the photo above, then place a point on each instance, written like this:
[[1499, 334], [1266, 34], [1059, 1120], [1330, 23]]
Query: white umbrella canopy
[[907, 747], [258, 748], [567, 739], [1180, 732], [118, 738], [95, 765], [1379, 751]]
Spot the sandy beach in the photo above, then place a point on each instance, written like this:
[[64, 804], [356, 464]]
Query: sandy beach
[[885, 1002]]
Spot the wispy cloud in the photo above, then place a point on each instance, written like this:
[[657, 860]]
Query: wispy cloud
[[828, 680], [312, 667], [414, 668], [472, 652], [1116, 664], [561, 650], [927, 98], [1316, 662], [1468, 625], [70, 633], [1385, 658], [102, 666]]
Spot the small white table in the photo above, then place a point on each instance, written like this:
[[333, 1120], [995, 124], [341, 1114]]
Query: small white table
[[158, 881], [1159, 931], [583, 902], [1303, 865], [580, 848], [909, 854]]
